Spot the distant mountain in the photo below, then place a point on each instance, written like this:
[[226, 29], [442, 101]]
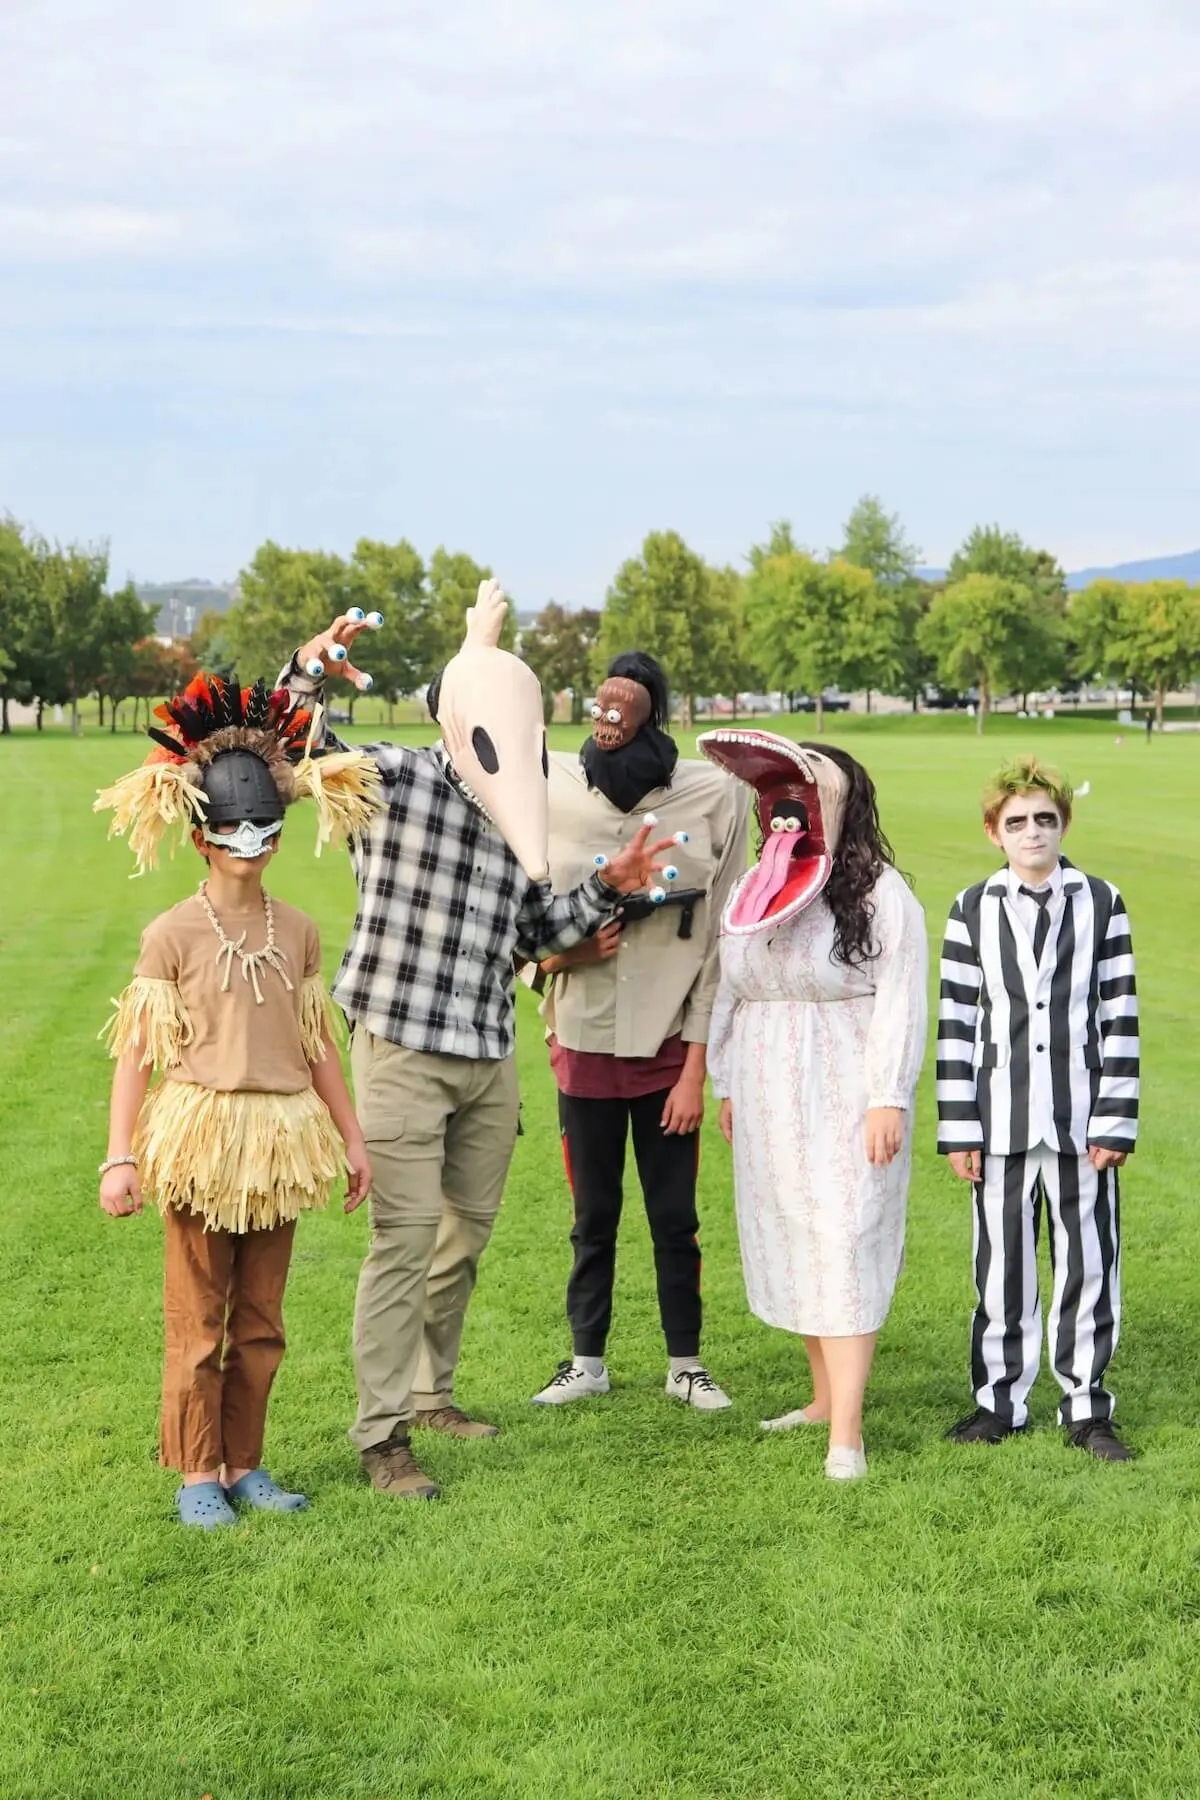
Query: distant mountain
[[1156, 568], [182, 604], [1185, 567]]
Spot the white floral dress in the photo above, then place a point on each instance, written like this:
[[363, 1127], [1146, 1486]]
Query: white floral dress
[[802, 1046]]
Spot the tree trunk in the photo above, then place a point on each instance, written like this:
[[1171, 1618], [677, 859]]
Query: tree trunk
[[100, 711], [981, 710], [916, 703], [735, 701], [391, 712], [5, 727], [350, 708], [1159, 702], [41, 707], [868, 699], [820, 715], [689, 710], [112, 715], [74, 715]]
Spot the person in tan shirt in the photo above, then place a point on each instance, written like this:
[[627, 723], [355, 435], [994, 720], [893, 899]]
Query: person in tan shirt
[[251, 1119], [627, 1015]]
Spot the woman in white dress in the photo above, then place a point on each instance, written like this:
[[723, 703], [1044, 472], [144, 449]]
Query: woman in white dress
[[816, 1044]]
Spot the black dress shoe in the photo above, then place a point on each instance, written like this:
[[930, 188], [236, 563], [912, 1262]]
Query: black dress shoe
[[982, 1427], [1098, 1438]]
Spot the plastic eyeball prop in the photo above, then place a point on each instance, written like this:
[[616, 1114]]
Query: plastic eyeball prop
[[374, 621], [356, 615], [650, 819], [670, 873], [681, 837], [365, 683], [777, 825], [657, 895], [338, 653], [791, 824], [314, 667], [600, 862]]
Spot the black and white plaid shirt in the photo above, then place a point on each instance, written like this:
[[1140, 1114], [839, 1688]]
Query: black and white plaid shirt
[[443, 907]]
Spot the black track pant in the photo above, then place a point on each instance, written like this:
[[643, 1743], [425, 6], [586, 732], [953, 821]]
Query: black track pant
[[593, 1137]]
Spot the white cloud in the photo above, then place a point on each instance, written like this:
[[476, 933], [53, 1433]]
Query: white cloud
[[750, 224]]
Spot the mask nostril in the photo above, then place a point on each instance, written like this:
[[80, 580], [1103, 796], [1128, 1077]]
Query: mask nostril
[[485, 750]]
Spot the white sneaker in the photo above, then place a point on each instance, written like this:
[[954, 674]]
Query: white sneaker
[[787, 1421], [696, 1387], [844, 1464], [571, 1382]]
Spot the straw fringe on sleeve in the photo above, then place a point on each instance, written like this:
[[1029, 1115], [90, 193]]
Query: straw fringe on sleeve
[[316, 1018], [150, 1016]]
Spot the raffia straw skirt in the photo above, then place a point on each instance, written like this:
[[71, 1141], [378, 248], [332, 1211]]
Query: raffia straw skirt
[[242, 1161]]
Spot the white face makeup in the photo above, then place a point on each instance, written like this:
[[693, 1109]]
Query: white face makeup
[[1029, 830]]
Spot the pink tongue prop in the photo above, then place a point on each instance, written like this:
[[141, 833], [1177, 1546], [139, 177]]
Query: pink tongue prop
[[770, 876]]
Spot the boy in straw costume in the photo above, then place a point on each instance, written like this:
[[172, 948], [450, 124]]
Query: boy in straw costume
[[251, 1119]]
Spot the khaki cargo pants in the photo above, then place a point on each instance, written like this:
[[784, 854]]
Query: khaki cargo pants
[[440, 1131]]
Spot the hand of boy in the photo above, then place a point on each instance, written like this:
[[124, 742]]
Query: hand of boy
[[967, 1164], [1102, 1158], [358, 1178], [121, 1191]]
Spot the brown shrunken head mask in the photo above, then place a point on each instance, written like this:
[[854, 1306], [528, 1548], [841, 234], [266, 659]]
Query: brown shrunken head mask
[[620, 710]]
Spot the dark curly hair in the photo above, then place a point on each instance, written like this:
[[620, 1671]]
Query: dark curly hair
[[863, 853]]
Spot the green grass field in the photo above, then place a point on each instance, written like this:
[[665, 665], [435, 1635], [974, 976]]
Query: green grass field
[[622, 1599]]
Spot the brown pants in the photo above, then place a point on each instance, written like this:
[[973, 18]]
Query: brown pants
[[223, 1310]]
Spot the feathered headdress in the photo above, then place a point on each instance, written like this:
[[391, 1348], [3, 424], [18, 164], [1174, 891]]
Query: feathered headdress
[[210, 717]]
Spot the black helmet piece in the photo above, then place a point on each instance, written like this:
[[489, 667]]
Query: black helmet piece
[[238, 785]]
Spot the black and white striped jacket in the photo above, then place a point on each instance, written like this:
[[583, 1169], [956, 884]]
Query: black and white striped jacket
[[1030, 1055]]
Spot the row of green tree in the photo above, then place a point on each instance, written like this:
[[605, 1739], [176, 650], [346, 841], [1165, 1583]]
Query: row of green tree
[[1001, 622], [64, 635], [860, 617]]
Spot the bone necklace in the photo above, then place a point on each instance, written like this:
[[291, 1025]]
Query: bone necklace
[[252, 961]]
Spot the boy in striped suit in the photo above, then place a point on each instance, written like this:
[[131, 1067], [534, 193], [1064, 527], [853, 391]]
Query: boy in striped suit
[[1037, 1087]]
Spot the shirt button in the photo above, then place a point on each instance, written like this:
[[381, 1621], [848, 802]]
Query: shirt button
[[1041, 1006], [1041, 1046]]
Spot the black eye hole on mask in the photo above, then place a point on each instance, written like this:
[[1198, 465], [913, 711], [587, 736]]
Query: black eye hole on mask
[[545, 758], [485, 750], [790, 809]]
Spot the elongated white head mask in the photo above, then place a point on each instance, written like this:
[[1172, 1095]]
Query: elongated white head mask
[[489, 709]]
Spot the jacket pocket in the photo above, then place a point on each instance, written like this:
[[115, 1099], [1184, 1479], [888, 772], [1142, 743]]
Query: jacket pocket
[[989, 1056]]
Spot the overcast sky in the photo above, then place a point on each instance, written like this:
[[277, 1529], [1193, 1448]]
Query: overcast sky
[[532, 277]]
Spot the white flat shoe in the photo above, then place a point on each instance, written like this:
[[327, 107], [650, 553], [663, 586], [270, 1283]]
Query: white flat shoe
[[788, 1420], [844, 1464]]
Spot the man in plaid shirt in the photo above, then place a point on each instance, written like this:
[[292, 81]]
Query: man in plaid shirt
[[444, 906]]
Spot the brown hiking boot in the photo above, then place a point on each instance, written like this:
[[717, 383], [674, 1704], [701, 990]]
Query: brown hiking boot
[[454, 1422], [393, 1469]]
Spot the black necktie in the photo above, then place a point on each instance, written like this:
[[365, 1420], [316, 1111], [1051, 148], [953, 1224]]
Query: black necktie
[[1041, 930]]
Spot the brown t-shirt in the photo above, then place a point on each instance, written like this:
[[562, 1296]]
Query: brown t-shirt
[[236, 1043]]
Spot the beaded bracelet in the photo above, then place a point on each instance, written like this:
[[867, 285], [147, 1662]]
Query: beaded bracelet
[[115, 1162]]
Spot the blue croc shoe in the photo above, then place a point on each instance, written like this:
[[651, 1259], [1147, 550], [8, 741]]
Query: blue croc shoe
[[203, 1503], [258, 1490]]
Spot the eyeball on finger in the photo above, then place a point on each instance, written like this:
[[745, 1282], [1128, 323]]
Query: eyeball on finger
[[374, 621], [314, 667], [600, 861], [364, 683], [681, 837], [657, 895], [670, 873], [649, 818], [338, 653], [355, 614]]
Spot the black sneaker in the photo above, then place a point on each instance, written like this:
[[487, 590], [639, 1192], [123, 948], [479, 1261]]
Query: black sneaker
[[1098, 1438], [982, 1427]]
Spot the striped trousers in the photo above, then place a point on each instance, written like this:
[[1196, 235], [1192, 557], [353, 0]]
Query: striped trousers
[[1085, 1306]]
